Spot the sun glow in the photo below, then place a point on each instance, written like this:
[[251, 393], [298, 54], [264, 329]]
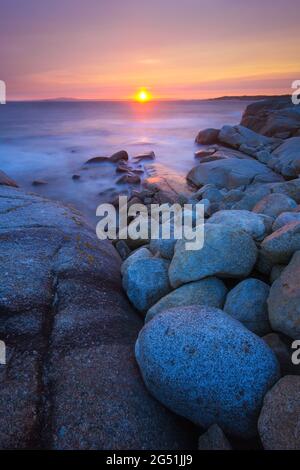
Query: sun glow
[[142, 96]]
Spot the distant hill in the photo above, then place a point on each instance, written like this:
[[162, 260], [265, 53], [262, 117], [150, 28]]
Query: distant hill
[[248, 97]]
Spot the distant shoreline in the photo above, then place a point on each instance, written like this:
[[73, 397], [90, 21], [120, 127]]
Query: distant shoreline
[[218, 98]]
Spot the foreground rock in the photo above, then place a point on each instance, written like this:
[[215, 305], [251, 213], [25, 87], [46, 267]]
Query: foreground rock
[[210, 292], [247, 302], [278, 423], [71, 381], [214, 439], [284, 300], [207, 367], [227, 252]]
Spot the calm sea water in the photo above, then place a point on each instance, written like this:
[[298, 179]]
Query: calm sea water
[[51, 141]]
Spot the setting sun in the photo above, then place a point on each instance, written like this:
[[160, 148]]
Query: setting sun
[[143, 95]]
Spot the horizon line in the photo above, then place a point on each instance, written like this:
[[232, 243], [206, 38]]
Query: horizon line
[[72, 99]]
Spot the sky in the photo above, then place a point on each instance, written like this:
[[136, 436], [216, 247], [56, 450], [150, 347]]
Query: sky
[[178, 49]]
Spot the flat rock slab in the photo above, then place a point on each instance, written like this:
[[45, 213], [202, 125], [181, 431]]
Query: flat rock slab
[[71, 381], [231, 173]]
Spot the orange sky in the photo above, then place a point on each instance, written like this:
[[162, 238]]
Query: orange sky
[[178, 50]]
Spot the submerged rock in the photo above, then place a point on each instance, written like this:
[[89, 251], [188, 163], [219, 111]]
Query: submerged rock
[[227, 252], [129, 179], [210, 292], [247, 302], [6, 180], [207, 367], [145, 156], [118, 156], [278, 423]]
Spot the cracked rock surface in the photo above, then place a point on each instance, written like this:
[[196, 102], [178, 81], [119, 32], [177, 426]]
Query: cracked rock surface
[[70, 381]]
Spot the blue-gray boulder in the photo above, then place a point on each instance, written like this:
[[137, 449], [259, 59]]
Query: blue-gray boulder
[[206, 366], [146, 281], [227, 252], [210, 291], [247, 302]]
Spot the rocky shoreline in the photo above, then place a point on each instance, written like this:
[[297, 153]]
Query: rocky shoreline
[[215, 348]]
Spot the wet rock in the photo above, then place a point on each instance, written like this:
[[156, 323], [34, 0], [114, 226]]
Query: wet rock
[[214, 439], [207, 367], [208, 136], [205, 153], [145, 156], [129, 179], [284, 300], [39, 182], [274, 204], [118, 156], [210, 292], [146, 281], [93, 160], [247, 302], [227, 252], [6, 180], [278, 422]]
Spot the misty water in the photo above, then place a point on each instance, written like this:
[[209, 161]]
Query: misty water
[[52, 140]]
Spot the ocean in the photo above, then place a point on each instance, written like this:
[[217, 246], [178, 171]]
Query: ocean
[[51, 141]]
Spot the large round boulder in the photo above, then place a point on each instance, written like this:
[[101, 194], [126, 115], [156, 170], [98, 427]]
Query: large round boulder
[[227, 252], [206, 366], [210, 291], [247, 302]]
